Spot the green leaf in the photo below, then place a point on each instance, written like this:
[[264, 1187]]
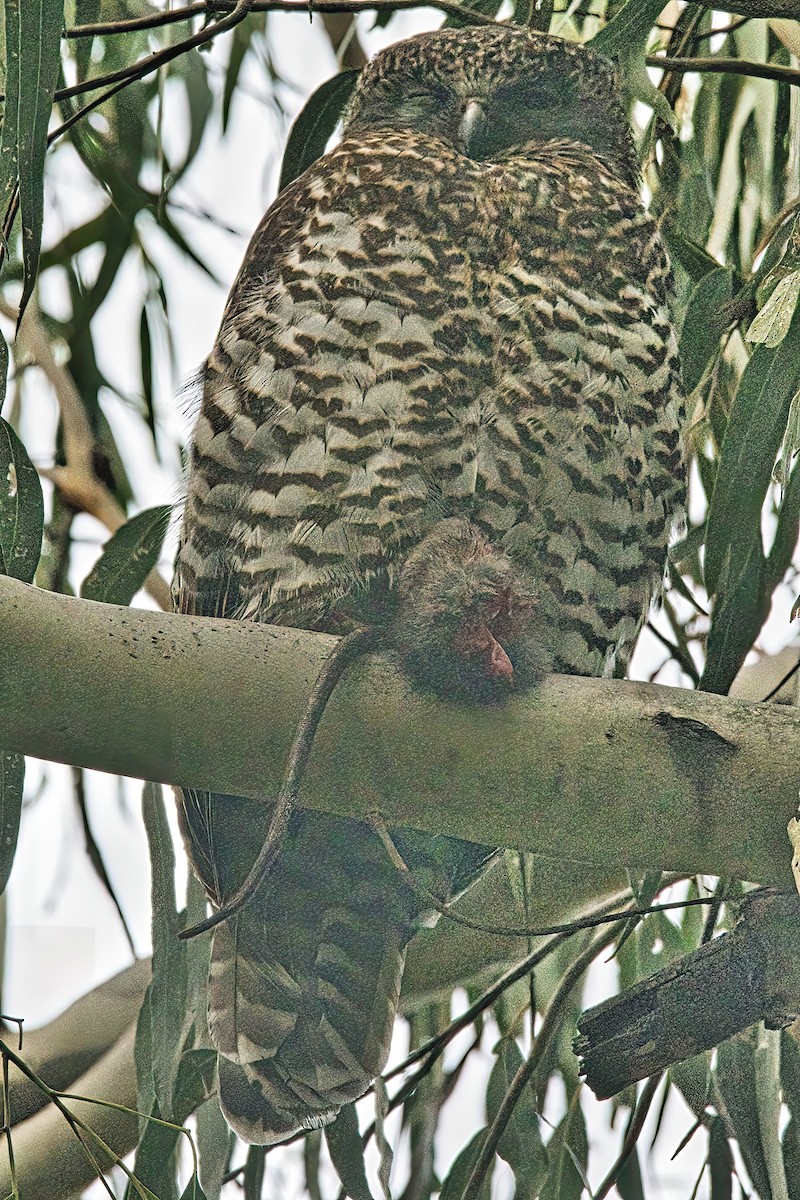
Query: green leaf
[[12, 778], [704, 324], [254, 1171], [735, 1079], [753, 435], [695, 261], [87, 12], [193, 1190], [567, 1153], [771, 323], [128, 557], [192, 70], [167, 992], [720, 1162], [347, 1153], [240, 40], [21, 508], [33, 30], [310, 132], [625, 38], [629, 1180], [155, 1154], [488, 8], [736, 619], [521, 1144], [791, 1158], [214, 1145], [458, 1176]]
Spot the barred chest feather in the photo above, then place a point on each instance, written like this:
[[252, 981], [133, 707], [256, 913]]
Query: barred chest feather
[[373, 375]]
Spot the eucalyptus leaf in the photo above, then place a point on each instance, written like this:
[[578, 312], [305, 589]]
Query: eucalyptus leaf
[[194, 1191], [771, 323], [168, 1008], [347, 1153], [567, 1153], [521, 1144], [736, 1081], [309, 134], [704, 324], [21, 508], [34, 70], [458, 1176], [12, 779], [128, 557], [753, 436], [720, 1162]]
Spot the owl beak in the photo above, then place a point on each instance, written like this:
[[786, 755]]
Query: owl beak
[[472, 127]]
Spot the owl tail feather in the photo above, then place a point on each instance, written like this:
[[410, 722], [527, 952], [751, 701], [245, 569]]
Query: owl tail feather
[[302, 1018]]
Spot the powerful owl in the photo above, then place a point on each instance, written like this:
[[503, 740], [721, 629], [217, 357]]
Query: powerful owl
[[444, 403]]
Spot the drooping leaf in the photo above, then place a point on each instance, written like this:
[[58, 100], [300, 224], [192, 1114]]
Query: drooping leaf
[[315, 124], [487, 8], [154, 1164], [87, 12], [21, 508], [347, 1153], [735, 1079], [521, 1144], [12, 779], [704, 324], [754, 432], [192, 70], [458, 1176], [720, 1162], [771, 323], [128, 557], [629, 1180], [567, 1153], [214, 1145], [33, 30], [194, 1191], [167, 991], [625, 39], [254, 1170]]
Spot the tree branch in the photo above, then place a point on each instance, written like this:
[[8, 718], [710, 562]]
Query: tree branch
[[726, 66], [210, 8], [76, 1039], [608, 772]]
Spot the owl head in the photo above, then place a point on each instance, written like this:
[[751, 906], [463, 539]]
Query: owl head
[[490, 92]]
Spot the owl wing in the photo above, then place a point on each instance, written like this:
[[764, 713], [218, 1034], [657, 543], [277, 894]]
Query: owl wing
[[332, 413]]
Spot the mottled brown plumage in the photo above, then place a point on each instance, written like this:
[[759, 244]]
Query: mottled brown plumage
[[443, 400]]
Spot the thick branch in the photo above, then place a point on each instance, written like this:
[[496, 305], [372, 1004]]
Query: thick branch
[[595, 770], [76, 1039], [749, 975]]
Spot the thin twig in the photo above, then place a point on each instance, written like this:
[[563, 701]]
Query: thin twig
[[210, 7], [444, 908], [726, 66], [550, 1025]]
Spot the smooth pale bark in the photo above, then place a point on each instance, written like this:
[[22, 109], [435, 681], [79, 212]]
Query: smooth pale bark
[[609, 772]]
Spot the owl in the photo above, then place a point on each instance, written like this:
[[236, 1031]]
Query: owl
[[443, 403]]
